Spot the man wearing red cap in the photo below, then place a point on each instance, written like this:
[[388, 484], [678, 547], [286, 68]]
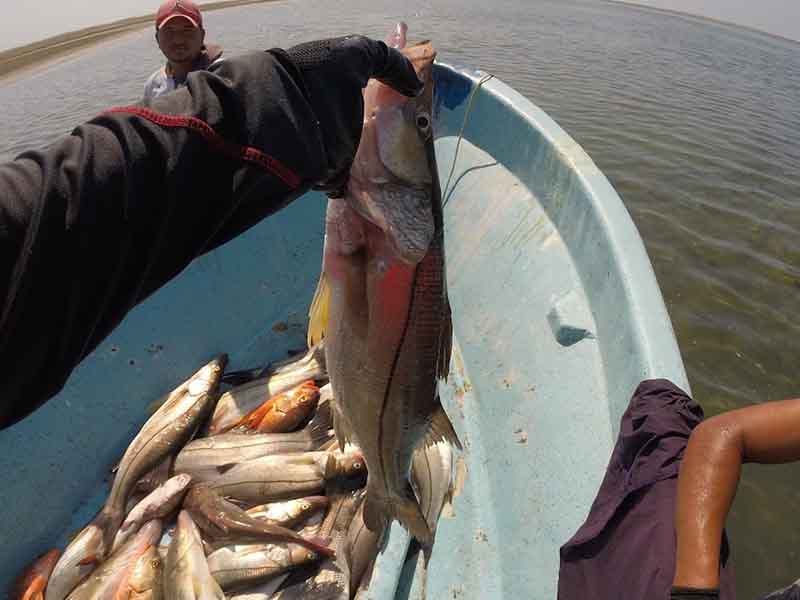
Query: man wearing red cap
[[180, 36]]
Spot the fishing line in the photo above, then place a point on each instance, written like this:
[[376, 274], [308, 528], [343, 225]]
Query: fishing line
[[483, 80]]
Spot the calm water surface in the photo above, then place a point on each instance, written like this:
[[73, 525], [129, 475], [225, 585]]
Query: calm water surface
[[696, 124]]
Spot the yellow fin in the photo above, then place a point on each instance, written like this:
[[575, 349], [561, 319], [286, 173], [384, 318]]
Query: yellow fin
[[318, 313]]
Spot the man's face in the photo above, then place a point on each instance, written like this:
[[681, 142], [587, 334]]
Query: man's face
[[179, 40]]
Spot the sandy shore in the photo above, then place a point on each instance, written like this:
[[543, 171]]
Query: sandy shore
[[16, 60]]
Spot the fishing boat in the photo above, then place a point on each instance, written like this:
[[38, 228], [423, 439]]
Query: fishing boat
[[557, 317]]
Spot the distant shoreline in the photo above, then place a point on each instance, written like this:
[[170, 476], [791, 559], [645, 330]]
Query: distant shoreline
[[21, 58], [677, 13]]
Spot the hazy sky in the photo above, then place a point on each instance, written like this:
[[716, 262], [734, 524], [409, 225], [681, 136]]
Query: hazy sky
[[24, 22]]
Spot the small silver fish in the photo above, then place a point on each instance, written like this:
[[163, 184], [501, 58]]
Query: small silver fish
[[263, 591], [361, 548], [298, 360], [332, 580], [159, 504], [79, 559], [186, 574], [249, 564], [291, 512], [145, 581], [202, 457], [164, 433], [110, 578], [224, 522], [432, 479]]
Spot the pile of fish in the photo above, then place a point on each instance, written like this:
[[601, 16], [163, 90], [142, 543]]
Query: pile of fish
[[261, 504], [281, 482]]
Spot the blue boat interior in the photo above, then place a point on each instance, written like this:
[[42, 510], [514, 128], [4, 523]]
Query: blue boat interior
[[557, 317]]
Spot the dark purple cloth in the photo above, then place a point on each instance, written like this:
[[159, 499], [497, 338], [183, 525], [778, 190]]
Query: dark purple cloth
[[790, 593], [626, 547]]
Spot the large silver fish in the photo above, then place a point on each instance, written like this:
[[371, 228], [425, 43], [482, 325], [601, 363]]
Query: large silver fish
[[381, 302], [164, 433], [79, 559], [285, 476], [111, 579], [186, 573], [145, 581], [202, 457]]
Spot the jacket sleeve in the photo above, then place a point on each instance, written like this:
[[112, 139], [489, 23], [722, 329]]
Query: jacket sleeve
[[93, 224]]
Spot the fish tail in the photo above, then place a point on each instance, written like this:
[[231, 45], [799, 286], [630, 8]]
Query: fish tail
[[441, 428], [320, 424], [108, 521], [33, 594], [319, 545], [379, 512]]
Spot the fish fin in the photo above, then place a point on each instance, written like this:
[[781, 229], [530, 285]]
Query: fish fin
[[91, 559], [339, 427], [237, 378], [208, 547], [222, 469], [124, 592], [445, 343], [379, 512], [319, 544], [441, 429], [108, 521], [319, 426], [331, 467], [318, 313]]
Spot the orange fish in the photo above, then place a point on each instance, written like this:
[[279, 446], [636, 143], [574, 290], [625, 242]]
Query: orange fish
[[33, 581], [283, 412]]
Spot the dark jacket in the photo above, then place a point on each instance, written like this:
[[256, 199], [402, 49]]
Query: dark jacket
[[93, 224]]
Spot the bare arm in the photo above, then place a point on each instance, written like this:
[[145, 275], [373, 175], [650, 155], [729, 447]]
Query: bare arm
[[709, 475]]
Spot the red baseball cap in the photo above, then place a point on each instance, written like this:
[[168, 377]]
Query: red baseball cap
[[178, 8]]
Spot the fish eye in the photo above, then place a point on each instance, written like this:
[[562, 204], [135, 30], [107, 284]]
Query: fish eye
[[306, 506], [356, 465], [423, 121]]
